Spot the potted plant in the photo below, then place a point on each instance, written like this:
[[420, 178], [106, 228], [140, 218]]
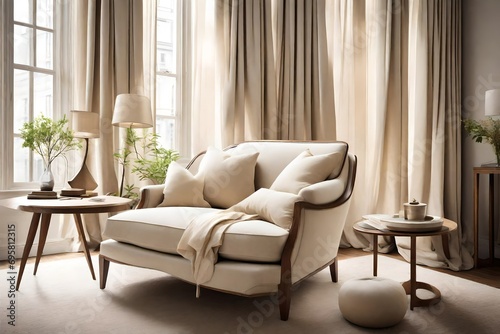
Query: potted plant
[[488, 130], [148, 159], [50, 139]]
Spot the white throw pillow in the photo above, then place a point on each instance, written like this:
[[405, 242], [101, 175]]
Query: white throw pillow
[[183, 188], [228, 178], [273, 206], [304, 170]]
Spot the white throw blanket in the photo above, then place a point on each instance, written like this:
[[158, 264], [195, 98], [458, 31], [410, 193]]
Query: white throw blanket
[[202, 239]]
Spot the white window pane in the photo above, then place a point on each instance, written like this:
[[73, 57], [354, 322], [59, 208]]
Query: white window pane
[[166, 46], [165, 127], [38, 168], [22, 45], [44, 13], [165, 95], [21, 99], [44, 49], [23, 11], [43, 94], [21, 162]]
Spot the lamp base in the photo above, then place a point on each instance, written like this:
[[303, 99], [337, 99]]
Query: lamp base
[[83, 179]]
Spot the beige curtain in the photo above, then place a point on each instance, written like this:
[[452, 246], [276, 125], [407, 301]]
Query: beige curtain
[[305, 80], [347, 49], [201, 86], [405, 58], [434, 132], [247, 70], [108, 60], [268, 77]]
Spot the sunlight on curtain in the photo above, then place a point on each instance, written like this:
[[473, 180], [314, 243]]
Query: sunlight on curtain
[[205, 102], [396, 54]]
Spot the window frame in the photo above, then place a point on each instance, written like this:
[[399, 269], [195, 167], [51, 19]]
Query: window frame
[[7, 70], [181, 116]]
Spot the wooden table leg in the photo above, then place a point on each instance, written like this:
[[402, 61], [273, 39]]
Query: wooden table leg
[[375, 255], [476, 218], [44, 229], [27, 247], [491, 246], [81, 232], [412, 285]]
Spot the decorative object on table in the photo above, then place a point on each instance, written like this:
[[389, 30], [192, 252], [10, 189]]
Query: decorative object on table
[[50, 139], [42, 194], [398, 223], [415, 210], [85, 125], [73, 192], [488, 129], [131, 111]]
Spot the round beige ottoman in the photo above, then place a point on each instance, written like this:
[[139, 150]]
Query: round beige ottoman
[[373, 302]]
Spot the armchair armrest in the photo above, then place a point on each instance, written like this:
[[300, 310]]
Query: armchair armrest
[[151, 196], [323, 192]]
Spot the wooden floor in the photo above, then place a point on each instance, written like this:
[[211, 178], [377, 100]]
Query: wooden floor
[[485, 275]]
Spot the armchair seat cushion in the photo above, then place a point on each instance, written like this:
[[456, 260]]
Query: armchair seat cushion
[[161, 228]]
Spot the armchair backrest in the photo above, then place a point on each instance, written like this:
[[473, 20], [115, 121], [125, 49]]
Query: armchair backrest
[[274, 156]]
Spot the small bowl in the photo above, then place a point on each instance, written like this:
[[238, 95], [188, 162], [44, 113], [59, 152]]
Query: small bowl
[[415, 211]]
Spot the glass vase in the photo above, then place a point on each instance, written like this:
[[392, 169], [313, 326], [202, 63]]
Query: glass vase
[[47, 179]]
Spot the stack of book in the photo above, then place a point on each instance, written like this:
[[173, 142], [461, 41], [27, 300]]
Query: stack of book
[[42, 194], [77, 192], [72, 192]]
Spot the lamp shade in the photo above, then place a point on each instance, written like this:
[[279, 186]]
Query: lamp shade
[[132, 111], [492, 102], [85, 124]]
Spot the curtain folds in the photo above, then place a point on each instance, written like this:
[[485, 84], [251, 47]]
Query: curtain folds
[[275, 76], [110, 58], [305, 80], [381, 75], [247, 74]]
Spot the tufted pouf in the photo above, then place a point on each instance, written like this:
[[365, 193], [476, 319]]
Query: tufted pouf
[[373, 302]]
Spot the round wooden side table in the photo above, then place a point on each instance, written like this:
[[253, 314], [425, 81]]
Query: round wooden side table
[[43, 209], [412, 284]]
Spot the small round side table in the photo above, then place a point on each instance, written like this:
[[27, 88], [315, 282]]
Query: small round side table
[[411, 285]]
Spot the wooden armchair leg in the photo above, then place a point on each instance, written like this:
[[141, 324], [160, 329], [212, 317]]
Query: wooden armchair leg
[[103, 271], [284, 291], [334, 270]]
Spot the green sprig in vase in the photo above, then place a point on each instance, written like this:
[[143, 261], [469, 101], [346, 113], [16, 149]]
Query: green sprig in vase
[[487, 130]]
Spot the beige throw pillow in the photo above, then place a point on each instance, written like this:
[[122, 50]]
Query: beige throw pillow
[[228, 178], [273, 206], [183, 188], [304, 170]]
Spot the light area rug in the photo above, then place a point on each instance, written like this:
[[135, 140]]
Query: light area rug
[[63, 298]]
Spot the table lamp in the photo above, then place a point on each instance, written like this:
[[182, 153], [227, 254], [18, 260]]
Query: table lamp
[[131, 111], [85, 124], [492, 102]]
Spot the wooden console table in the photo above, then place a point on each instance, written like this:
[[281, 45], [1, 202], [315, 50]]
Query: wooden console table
[[491, 171]]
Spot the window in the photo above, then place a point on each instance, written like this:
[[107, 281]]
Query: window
[[167, 81], [29, 72]]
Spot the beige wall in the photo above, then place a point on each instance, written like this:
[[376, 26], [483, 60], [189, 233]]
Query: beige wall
[[480, 72]]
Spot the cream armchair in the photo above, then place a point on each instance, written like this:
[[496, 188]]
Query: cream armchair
[[257, 257]]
